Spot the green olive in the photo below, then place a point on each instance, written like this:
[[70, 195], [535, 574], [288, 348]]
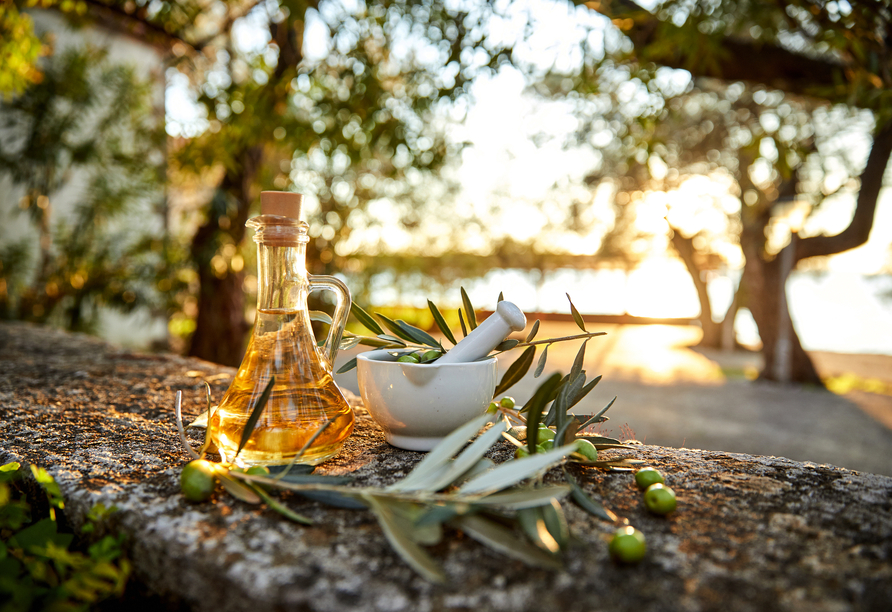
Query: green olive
[[660, 499], [521, 452], [544, 446], [197, 480], [648, 476], [507, 402], [410, 358], [493, 407], [586, 449], [627, 545], [257, 470], [546, 433], [429, 356]]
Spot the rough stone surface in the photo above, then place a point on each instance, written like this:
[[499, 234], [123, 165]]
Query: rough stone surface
[[750, 533]]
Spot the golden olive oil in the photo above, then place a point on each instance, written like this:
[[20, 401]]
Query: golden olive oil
[[303, 398]]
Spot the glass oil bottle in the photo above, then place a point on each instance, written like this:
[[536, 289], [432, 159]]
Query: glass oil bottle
[[305, 396]]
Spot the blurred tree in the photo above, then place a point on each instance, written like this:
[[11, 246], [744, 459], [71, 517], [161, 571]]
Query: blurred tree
[[794, 58], [83, 115]]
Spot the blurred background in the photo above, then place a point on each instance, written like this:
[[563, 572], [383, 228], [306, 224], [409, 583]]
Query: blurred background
[[706, 179]]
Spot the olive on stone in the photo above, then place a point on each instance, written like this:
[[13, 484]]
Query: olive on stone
[[198, 479], [627, 545], [648, 476], [586, 449], [659, 499]]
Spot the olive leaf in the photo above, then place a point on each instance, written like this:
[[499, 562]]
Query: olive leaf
[[348, 342], [525, 497], [320, 316], [512, 472], [466, 460], [507, 345], [598, 417], [403, 544], [576, 316], [395, 328], [255, 415], [461, 320], [580, 359], [238, 490], [533, 332], [501, 297], [585, 501], [540, 367], [442, 454], [469, 309], [347, 366], [419, 335], [536, 406], [441, 322], [504, 540], [516, 371], [281, 508], [365, 318], [532, 522]]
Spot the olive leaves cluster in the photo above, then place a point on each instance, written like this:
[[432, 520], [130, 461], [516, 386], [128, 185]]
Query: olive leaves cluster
[[401, 338], [506, 507]]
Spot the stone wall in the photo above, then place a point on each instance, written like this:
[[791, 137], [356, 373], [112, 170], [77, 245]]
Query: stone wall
[[750, 533]]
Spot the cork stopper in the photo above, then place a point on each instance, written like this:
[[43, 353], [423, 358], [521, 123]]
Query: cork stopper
[[281, 203]]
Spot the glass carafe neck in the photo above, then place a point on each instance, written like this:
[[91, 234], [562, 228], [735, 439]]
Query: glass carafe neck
[[281, 263]]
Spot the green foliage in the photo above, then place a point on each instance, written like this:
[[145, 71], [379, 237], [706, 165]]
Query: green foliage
[[39, 567], [19, 50], [91, 117]]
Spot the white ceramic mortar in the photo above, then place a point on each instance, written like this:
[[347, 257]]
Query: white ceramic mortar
[[417, 405]]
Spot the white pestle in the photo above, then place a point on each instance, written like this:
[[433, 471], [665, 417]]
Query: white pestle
[[488, 335]]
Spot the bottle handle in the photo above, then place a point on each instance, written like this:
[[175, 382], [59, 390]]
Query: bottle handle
[[339, 319]]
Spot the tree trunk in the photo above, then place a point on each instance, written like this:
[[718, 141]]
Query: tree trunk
[[712, 330], [220, 327], [784, 358]]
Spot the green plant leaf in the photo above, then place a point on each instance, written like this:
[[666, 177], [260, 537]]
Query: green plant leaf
[[576, 316], [556, 522], [365, 318], [508, 344], [320, 316], [394, 327], [461, 320], [516, 371], [598, 418], [442, 453], [540, 367], [536, 406], [585, 501], [392, 339], [379, 342], [348, 343], [402, 542], [512, 472], [532, 522], [533, 332], [255, 414], [466, 460], [238, 490], [441, 322], [469, 309], [347, 366], [606, 442], [526, 497], [585, 391], [501, 297], [578, 362], [419, 335], [503, 540], [281, 508], [443, 512]]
